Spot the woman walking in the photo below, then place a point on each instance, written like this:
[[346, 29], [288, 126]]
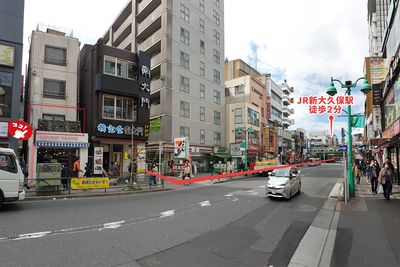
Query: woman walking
[[386, 180]]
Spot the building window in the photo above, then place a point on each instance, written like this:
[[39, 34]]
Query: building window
[[120, 68], [202, 6], [202, 30], [202, 91], [184, 59], [6, 92], [53, 117], [185, 13], [202, 137], [217, 139], [276, 112], [216, 18], [184, 109], [276, 97], [239, 90], [54, 89], [202, 48], [184, 132], [185, 36], [202, 69], [217, 76], [217, 97], [185, 84], [217, 117], [119, 108], [217, 56], [238, 116], [202, 114], [217, 37], [55, 55]]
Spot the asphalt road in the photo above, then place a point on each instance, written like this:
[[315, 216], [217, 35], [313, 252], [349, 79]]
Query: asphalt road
[[228, 224]]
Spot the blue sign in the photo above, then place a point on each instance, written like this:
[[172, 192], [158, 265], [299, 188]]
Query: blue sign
[[342, 148]]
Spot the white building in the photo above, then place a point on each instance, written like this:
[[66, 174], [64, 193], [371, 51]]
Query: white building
[[52, 101], [186, 41]]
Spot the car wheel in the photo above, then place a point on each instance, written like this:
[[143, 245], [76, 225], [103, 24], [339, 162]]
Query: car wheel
[[290, 194], [1, 200], [299, 190]]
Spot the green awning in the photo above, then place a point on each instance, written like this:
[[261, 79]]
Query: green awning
[[223, 156]]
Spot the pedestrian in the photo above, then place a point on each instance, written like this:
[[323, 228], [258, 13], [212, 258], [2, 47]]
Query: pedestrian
[[132, 168], [114, 172], [391, 166], [154, 169], [88, 170], [357, 171], [373, 177], [76, 169], [188, 170], [386, 178], [65, 176]]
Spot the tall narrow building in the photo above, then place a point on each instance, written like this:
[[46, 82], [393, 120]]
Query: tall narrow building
[[186, 42]]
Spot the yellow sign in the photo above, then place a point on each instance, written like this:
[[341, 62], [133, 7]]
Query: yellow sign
[[90, 183], [7, 55]]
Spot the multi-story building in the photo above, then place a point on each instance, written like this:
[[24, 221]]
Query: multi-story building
[[377, 13], [390, 145], [114, 89], [186, 42], [11, 36], [300, 144], [51, 100]]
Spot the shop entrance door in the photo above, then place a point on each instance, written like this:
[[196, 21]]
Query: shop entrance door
[[117, 157]]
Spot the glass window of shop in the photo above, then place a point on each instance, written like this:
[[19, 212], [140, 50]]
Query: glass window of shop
[[64, 156], [119, 108], [392, 105], [6, 81]]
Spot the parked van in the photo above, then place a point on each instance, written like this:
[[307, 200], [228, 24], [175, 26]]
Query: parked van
[[11, 177]]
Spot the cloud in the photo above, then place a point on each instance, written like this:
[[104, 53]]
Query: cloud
[[305, 42]]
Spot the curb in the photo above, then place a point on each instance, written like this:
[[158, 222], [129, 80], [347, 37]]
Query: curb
[[316, 246], [121, 193]]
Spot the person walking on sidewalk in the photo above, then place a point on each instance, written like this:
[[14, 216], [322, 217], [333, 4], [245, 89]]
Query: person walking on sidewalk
[[386, 180], [373, 177], [357, 171]]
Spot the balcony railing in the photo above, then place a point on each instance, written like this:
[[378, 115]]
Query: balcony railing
[[59, 126]]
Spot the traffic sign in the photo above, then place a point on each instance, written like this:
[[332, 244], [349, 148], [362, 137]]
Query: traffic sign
[[342, 148]]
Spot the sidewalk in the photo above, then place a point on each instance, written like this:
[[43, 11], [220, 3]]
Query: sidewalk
[[368, 229], [121, 189]]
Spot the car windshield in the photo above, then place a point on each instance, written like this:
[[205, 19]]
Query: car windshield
[[281, 172]]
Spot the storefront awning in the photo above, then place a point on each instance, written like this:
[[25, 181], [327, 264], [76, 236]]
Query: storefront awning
[[62, 144], [223, 156]]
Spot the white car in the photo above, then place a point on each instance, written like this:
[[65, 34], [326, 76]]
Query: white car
[[284, 183]]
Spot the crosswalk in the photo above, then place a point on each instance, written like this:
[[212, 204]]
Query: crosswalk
[[332, 164]]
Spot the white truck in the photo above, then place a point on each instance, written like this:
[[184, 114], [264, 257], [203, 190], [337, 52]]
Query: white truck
[[11, 177]]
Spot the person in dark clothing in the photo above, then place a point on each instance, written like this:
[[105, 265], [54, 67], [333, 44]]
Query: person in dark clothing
[[386, 178], [88, 170], [373, 177], [65, 176]]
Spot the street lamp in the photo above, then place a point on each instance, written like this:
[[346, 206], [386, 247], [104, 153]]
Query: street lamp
[[365, 88], [244, 143]]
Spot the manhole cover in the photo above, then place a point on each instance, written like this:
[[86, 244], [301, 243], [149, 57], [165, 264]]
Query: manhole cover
[[303, 207]]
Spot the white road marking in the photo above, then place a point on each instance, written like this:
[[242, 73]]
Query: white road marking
[[113, 225], [167, 213], [252, 192], [205, 203], [262, 186], [229, 195], [32, 235], [235, 199]]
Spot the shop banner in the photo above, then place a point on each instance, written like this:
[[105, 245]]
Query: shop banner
[[141, 158], [90, 183], [98, 160], [235, 150], [7, 55], [181, 148], [377, 70]]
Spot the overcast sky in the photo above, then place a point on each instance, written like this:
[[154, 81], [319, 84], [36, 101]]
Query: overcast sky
[[303, 41]]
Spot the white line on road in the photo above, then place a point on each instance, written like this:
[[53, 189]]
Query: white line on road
[[229, 195], [262, 186], [205, 203], [113, 225], [235, 199], [167, 213], [32, 235]]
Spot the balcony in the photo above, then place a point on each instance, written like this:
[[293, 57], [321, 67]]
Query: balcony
[[123, 36], [155, 60], [286, 111], [152, 40], [286, 99], [155, 110], [156, 85], [123, 27], [145, 7], [286, 122], [149, 20]]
